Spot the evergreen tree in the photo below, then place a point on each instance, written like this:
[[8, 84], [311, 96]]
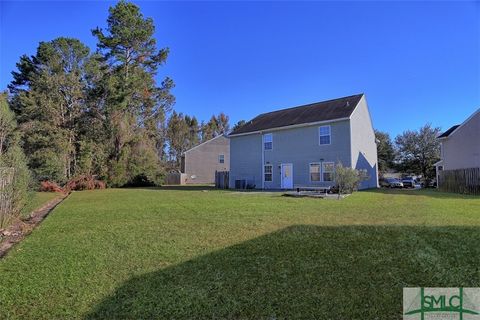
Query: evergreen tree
[[135, 106], [216, 126], [238, 125], [49, 92], [178, 133]]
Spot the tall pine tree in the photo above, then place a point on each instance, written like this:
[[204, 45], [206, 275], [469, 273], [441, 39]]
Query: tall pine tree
[[135, 104]]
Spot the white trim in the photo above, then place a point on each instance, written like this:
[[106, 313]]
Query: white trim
[[270, 165], [263, 140], [461, 125], [293, 126], [319, 172], [198, 145], [438, 163], [329, 134], [332, 172], [263, 162]]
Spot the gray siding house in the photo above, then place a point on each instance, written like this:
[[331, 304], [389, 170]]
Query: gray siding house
[[299, 147], [200, 162], [460, 145]]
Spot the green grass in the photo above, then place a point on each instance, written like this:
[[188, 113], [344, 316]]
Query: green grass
[[38, 199], [182, 253]]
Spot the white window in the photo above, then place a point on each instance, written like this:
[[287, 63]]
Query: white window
[[314, 172], [267, 141], [267, 173], [328, 168], [221, 158], [324, 135]]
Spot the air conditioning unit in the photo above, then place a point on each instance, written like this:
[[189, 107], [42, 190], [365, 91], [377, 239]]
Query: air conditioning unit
[[240, 183]]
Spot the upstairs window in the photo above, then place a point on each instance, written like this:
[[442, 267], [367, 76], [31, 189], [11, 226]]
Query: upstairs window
[[324, 135], [267, 141], [314, 172], [328, 170], [267, 173], [221, 158]]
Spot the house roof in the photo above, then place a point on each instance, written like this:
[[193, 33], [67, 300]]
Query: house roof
[[449, 131], [315, 112], [456, 128], [201, 144]]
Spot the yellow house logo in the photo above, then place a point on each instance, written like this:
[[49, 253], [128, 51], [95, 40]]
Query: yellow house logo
[[441, 303]]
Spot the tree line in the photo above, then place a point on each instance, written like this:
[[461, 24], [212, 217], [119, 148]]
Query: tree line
[[103, 113], [412, 152]]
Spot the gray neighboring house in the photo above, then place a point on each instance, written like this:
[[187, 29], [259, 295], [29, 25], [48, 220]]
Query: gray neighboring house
[[460, 145], [200, 162], [299, 147]]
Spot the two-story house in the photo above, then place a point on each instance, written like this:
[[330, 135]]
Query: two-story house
[[300, 146], [460, 146], [200, 162]]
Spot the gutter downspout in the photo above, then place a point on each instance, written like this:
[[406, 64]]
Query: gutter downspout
[[263, 161]]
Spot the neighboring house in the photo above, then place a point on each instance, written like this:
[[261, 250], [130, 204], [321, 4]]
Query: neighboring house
[[299, 147], [460, 145], [200, 162]]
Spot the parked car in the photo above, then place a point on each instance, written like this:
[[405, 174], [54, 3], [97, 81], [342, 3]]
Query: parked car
[[409, 182], [391, 183]]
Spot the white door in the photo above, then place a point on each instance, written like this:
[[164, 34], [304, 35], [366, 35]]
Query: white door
[[287, 176]]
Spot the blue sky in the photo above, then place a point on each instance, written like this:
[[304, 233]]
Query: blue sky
[[417, 62]]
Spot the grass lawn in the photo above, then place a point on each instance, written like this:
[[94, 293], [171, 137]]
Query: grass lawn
[[38, 200], [189, 254]]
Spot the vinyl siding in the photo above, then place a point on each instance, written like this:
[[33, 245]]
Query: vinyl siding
[[364, 147], [298, 146], [201, 162], [461, 149], [246, 159]]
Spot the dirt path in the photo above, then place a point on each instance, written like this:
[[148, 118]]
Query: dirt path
[[19, 230]]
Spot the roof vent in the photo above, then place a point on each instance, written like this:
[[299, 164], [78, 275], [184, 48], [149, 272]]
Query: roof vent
[[348, 104]]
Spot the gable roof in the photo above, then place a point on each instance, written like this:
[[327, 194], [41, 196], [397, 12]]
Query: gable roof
[[201, 144], [316, 112], [457, 127], [449, 131]]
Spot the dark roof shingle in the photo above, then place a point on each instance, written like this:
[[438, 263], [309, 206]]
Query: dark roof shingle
[[449, 131], [320, 111]]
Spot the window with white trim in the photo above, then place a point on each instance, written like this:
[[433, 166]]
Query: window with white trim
[[221, 158], [267, 141], [324, 133], [328, 168], [314, 172], [268, 173]]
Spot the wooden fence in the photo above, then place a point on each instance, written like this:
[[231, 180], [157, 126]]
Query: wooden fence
[[176, 178], [221, 179], [465, 181], [6, 194]]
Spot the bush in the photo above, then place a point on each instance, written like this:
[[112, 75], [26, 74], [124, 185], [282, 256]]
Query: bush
[[15, 174], [348, 179], [49, 186], [84, 182]]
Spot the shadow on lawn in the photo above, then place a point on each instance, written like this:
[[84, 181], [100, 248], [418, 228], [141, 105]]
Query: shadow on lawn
[[351, 272]]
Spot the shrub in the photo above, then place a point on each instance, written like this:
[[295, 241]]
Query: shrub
[[15, 191], [84, 182], [50, 186], [348, 179]]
